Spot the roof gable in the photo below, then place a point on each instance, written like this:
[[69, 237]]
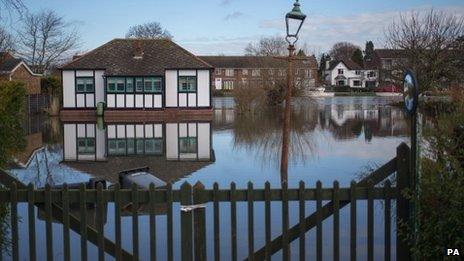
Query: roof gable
[[117, 58], [347, 63]]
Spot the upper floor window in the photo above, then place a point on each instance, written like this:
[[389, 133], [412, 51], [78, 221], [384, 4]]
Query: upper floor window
[[308, 73], [229, 72], [271, 71], [387, 63], [85, 84], [255, 72], [371, 74], [281, 72], [187, 83], [218, 71], [357, 72], [340, 71], [245, 71]]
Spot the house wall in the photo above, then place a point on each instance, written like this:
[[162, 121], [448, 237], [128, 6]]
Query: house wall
[[222, 81], [73, 100], [199, 99], [31, 81]]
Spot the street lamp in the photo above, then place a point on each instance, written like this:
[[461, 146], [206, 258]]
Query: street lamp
[[294, 21]]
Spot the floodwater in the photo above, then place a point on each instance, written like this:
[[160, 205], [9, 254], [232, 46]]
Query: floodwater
[[333, 138]]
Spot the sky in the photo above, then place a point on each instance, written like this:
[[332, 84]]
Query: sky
[[211, 27]]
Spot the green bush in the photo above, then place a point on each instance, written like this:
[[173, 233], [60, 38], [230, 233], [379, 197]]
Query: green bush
[[12, 98], [440, 203]]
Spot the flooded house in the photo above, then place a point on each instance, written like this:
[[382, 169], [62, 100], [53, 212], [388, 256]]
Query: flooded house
[[138, 76]]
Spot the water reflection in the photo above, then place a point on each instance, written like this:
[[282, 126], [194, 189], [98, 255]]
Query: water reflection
[[170, 150]]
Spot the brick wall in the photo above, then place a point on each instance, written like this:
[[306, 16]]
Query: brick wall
[[32, 82]]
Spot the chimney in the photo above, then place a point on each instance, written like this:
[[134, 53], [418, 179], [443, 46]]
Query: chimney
[[137, 48]]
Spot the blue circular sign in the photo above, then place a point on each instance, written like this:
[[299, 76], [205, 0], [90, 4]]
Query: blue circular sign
[[410, 92]]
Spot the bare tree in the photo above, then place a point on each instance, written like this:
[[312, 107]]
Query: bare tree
[[343, 50], [6, 41], [152, 30], [46, 40], [10, 6], [267, 46], [427, 41]]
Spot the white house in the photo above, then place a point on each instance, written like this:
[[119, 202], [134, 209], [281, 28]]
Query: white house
[[349, 73], [137, 74]]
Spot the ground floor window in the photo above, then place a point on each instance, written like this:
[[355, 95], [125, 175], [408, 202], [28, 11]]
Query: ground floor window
[[126, 84], [357, 83], [341, 83], [86, 145], [188, 145], [187, 83], [228, 85], [84, 84]]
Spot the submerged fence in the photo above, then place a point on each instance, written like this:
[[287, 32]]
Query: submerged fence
[[70, 207]]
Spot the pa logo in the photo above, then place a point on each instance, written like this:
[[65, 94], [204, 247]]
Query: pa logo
[[452, 252]]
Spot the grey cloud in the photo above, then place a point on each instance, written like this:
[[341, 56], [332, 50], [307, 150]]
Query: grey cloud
[[233, 16]]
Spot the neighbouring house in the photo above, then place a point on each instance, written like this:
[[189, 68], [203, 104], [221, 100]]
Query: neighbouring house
[[233, 70], [348, 73], [135, 75], [384, 62], [15, 69]]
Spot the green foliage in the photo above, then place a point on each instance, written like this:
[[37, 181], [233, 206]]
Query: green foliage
[[440, 202], [357, 57], [51, 85], [12, 97], [369, 50]]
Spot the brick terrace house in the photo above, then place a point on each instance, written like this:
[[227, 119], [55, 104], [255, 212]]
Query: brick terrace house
[[14, 69], [232, 70]]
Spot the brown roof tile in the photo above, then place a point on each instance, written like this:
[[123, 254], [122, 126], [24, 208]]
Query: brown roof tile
[[117, 58]]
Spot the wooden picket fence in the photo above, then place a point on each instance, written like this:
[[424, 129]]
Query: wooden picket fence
[[57, 205]]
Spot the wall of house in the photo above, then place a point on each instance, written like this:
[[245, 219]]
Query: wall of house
[[199, 99], [31, 81], [221, 81], [74, 100], [350, 75]]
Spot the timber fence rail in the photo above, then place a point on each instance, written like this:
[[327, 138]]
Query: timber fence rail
[[57, 206]]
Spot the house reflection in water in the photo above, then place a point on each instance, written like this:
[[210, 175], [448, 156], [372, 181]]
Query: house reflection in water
[[171, 150]]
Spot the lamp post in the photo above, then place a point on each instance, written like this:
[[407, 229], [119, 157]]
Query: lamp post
[[294, 21]]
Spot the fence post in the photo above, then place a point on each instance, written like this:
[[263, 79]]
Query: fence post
[[403, 208], [199, 222], [186, 221]]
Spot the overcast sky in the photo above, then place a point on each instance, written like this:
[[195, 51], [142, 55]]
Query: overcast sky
[[227, 26]]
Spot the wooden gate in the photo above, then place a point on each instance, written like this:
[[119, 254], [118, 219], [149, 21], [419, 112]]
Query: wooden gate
[[58, 205]]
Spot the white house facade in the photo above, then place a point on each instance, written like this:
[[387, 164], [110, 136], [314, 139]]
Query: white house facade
[[348, 73], [136, 74]]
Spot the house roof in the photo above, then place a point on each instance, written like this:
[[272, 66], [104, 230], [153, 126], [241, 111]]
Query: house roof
[[238, 62], [156, 55], [168, 171], [348, 63], [8, 62], [375, 62]]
